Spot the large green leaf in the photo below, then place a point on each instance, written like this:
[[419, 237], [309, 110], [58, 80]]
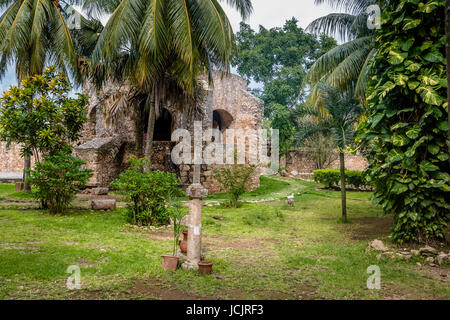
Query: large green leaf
[[429, 95], [411, 23], [396, 56]]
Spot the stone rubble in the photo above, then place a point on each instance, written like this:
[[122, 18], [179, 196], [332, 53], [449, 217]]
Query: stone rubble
[[430, 255]]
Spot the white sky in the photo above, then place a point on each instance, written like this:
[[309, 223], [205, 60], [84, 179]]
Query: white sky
[[267, 13], [271, 14]]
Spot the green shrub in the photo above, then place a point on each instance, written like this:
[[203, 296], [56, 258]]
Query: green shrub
[[234, 181], [147, 193], [331, 178], [355, 179], [57, 179]]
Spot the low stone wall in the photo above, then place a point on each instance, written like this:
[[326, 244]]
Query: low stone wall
[[10, 159], [300, 163], [208, 180]]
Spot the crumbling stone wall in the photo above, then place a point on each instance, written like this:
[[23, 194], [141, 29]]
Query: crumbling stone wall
[[300, 163], [107, 145], [10, 159]]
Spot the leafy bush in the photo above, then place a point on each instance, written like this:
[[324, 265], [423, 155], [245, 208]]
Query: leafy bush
[[407, 126], [355, 179], [331, 178], [41, 115], [147, 193], [57, 179], [234, 181]]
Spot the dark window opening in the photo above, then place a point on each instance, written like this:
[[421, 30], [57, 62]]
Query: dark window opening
[[222, 120], [163, 127]]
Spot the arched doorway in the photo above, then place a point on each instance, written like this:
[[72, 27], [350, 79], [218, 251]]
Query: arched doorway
[[163, 127], [222, 120]]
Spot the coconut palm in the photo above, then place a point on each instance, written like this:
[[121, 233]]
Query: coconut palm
[[342, 113], [344, 67], [34, 34], [165, 44]]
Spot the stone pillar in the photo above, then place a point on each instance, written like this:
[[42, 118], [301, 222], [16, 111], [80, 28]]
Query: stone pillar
[[196, 193]]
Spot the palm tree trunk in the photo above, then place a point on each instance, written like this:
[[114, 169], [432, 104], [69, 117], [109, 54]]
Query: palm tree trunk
[[139, 132], [26, 167], [343, 191], [151, 124], [447, 28]]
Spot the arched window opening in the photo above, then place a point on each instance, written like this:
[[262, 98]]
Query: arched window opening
[[163, 127], [222, 120]]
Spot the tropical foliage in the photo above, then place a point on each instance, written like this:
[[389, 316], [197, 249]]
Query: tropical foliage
[[34, 34], [405, 134], [147, 193], [163, 47], [57, 179], [278, 60], [234, 181], [40, 116], [331, 178], [342, 113]]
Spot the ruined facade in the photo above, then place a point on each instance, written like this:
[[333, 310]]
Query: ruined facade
[[106, 145]]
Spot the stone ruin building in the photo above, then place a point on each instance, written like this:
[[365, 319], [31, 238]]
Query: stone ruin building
[[107, 145]]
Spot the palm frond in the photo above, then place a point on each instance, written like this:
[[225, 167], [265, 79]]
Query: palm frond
[[334, 24]]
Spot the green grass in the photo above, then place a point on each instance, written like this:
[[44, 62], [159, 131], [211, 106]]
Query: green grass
[[260, 251], [7, 192]]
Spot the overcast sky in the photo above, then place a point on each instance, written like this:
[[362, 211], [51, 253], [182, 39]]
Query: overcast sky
[[266, 13]]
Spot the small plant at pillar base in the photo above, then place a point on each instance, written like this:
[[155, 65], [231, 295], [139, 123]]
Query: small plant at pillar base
[[147, 193], [56, 180], [234, 181], [176, 214]]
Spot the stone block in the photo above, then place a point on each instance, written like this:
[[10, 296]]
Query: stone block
[[100, 191], [196, 191], [107, 205]]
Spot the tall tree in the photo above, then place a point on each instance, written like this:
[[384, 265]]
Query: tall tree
[[342, 114], [34, 34], [278, 60], [162, 44], [344, 67]]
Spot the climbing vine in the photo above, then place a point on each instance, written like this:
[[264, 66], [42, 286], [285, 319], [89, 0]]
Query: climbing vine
[[405, 133]]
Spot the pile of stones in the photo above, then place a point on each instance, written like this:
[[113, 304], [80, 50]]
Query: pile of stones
[[432, 256]]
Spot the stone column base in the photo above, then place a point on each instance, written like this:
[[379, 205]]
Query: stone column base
[[190, 265]]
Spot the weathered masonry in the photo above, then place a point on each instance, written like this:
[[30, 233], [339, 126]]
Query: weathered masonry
[[106, 145]]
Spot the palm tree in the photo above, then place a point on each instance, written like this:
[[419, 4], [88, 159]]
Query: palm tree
[[164, 46], [344, 67], [34, 34], [342, 113]]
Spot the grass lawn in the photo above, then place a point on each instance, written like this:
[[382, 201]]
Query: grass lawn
[[260, 251]]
